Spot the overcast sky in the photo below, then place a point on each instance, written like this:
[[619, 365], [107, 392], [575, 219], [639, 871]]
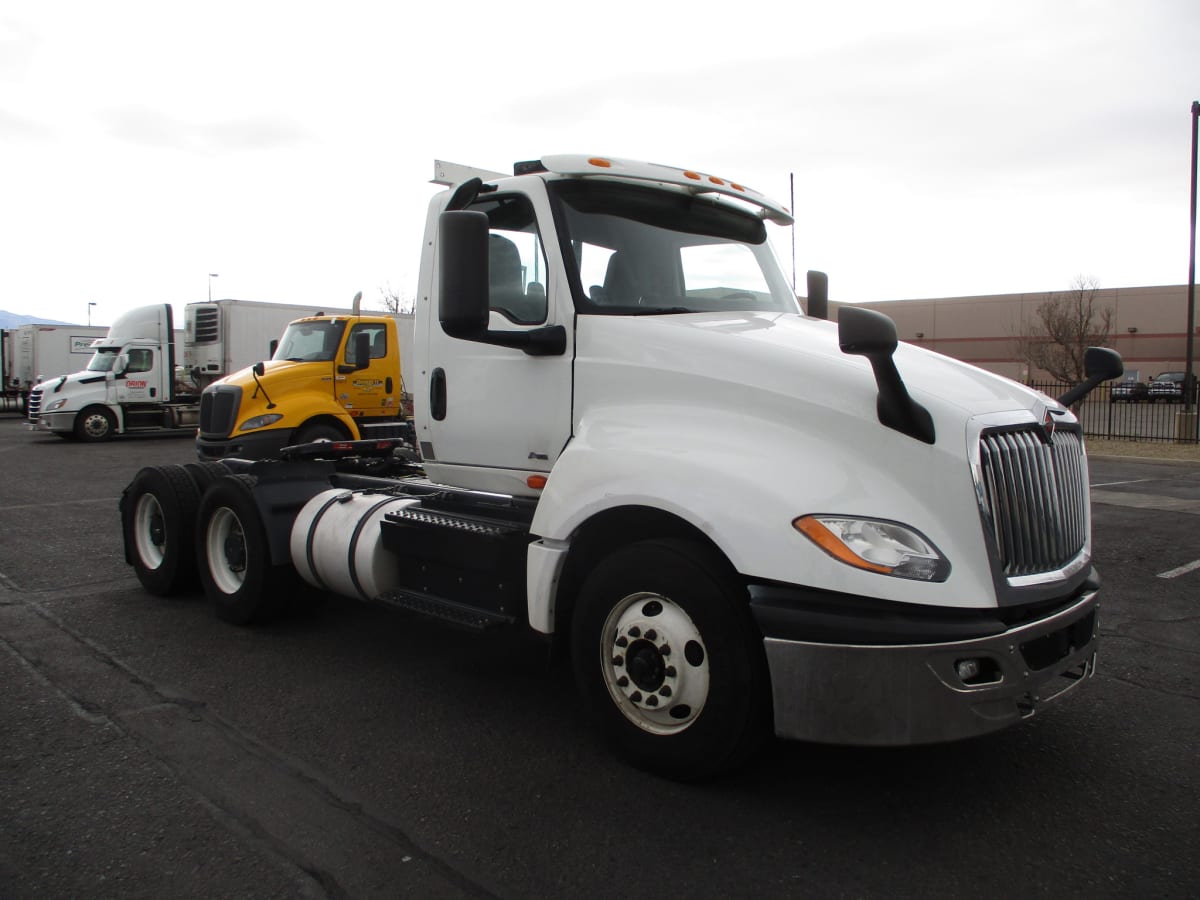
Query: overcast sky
[[938, 149]]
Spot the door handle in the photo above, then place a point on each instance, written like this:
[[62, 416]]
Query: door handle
[[437, 394]]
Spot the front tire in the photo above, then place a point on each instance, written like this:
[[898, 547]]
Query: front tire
[[158, 515], [319, 431], [233, 554], [668, 660], [94, 424]]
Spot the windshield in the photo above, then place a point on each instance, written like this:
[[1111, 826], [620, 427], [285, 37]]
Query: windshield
[[305, 341], [103, 359], [644, 251]]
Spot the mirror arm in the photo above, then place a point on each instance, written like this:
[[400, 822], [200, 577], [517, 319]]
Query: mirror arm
[[549, 340]]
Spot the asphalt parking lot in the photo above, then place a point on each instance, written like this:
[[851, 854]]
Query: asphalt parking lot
[[149, 750]]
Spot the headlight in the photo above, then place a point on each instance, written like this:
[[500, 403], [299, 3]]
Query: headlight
[[876, 545], [260, 421], [57, 404]]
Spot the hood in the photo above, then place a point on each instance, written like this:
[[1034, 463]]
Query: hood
[[791, 358], [279, 373], [66, 382]]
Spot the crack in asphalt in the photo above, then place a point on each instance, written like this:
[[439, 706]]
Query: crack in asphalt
[[1136, 500], [54, 503], [293, 814], [1148, 642], [1133, 682]]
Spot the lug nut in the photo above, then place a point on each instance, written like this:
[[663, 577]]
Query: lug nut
[[618, 660], [652, 635], [665, 690], [665, 650], [670, 672], [635, 632], [652, 700], [622, 682], [636, 696], [622, 641]]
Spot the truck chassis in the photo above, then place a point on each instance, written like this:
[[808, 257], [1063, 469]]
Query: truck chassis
[[674, 655]]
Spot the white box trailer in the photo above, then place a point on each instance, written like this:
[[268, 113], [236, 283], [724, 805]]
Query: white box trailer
[[41, 352]]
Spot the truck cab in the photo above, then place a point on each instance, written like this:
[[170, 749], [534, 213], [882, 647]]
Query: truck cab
[[331, 377], [868, 497]]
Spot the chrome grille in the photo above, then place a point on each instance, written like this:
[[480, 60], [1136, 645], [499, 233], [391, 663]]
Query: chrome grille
[[1034, 498], [218, 410], [33, 405]]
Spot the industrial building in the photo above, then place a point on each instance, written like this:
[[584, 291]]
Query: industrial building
[[1149, 328]]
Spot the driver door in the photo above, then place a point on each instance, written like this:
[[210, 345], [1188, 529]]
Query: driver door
[[498, 415]]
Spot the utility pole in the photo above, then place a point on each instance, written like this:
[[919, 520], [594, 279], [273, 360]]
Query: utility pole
[[1189, 387]]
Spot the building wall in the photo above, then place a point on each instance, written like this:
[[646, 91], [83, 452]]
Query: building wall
[[1149, 328]]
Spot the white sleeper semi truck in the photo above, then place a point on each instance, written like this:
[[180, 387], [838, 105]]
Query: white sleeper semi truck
[[145, 376], [736, 518]]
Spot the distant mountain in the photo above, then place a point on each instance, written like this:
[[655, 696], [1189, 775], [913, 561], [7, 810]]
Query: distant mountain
[[12, 320]]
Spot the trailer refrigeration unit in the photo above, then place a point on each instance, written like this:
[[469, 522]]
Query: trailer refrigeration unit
[[735, 517], [145, 376]]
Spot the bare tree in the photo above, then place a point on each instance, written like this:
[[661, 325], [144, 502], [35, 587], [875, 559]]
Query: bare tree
[[1064, 326], [394, 302]]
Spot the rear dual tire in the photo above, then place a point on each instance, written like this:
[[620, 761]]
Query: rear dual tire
[[158, 516], [197, 523], [234, 555]]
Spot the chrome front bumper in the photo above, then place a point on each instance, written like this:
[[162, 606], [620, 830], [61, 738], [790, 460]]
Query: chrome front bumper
[[913, 693]]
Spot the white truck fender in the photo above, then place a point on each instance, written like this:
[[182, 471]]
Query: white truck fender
[[773, 474]]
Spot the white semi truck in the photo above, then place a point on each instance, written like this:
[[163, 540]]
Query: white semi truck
[[736, 518], [145, 376]]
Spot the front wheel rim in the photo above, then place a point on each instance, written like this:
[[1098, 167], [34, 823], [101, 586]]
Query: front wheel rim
[[96, 425], [150, 531], [655, 663], [225, 546]]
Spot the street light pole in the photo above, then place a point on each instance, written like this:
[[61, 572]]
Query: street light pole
[[90, 305], [211, 276], [1188, 387]]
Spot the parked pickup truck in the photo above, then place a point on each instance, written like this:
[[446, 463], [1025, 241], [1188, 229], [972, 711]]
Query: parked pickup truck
[[1167, 386], [1131, 391]]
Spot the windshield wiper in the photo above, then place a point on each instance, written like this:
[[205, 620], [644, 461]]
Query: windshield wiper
[[644, 310]]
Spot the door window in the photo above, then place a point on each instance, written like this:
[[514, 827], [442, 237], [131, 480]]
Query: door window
[[516, 263], [377, 331], [140, 361]]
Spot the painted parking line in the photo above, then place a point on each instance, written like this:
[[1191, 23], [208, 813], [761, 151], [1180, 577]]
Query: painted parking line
[[1182, 570]]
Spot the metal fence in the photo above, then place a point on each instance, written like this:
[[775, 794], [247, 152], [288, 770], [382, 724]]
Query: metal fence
[[1133, 418]]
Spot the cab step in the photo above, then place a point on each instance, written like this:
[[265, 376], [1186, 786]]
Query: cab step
[[458, 556], [449, 611]]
